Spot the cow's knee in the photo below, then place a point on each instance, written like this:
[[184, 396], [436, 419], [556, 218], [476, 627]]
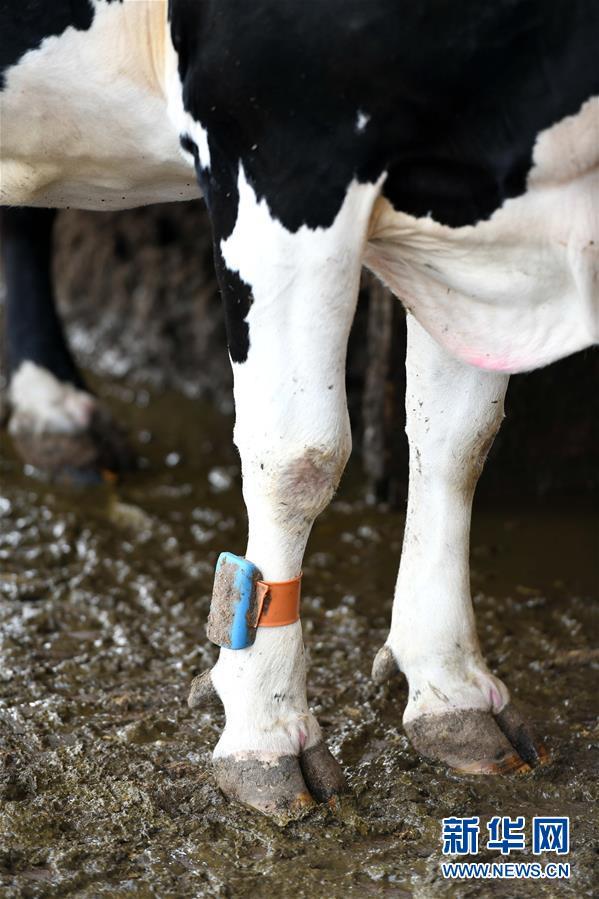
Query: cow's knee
[[294, 481], [309, 479]]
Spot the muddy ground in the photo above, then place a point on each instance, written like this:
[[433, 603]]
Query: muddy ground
[[105, 784]]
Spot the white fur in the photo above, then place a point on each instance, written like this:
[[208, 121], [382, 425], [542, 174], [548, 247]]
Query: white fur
[[43, 404], [520, 290], [453, 412], [85, 120], [293, 435], [263, 689]]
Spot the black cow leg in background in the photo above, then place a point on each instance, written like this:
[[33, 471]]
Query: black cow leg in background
[[56, 423], [33, 330]]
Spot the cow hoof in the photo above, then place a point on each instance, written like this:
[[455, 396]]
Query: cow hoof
[[521, 736], [322, 773], [273, 786], [80, 457], [285, 787], [476, 742]]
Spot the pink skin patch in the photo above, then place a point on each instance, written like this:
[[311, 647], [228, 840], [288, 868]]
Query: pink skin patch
[[302, 739], [486, 361], [495, 700], [473, 356], [489, 364]]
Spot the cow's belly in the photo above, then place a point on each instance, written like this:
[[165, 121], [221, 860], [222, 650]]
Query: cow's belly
[[517, 291], [84, 123], [108, 184]]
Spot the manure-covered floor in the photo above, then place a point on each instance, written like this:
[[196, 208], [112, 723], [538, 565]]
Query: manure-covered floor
[[105, 784]]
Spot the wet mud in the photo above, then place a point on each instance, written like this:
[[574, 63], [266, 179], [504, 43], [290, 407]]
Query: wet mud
[[105, 782]]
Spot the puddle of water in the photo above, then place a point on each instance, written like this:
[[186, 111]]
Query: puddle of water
[[105, 785]]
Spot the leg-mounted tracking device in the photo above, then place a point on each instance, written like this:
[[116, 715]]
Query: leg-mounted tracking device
[[243, 602]]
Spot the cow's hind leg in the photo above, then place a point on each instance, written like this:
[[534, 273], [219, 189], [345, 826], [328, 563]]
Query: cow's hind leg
[[457, 711], [56, 423], [290, 299]]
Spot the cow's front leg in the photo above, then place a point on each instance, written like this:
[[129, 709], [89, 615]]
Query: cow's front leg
[[289, 300], [457, 711]]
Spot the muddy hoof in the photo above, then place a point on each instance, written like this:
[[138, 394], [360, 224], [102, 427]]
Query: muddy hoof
[[286, 787], [81, 457], [469, 740], [274, 787], [322, 772], [521, 736]]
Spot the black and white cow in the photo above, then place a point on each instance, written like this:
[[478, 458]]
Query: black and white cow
[[452, 148]]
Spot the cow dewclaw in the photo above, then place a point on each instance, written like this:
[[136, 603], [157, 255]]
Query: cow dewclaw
[[322, 772], [521, 735], [384, 666], [202, 691]]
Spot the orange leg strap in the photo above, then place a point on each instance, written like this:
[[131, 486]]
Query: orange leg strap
[[278, 602]]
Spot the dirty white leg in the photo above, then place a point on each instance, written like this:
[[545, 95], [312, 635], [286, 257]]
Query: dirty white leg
[[453, 412], [292, 431]]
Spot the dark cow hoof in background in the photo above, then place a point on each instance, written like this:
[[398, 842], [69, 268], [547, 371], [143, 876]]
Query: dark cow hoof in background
[[285, 788], [476, 742], [88, 456]]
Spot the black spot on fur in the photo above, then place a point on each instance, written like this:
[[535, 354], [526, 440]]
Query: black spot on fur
[[456, 94], [190, 147], [25, 23], [219, 188], [237, 299]]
